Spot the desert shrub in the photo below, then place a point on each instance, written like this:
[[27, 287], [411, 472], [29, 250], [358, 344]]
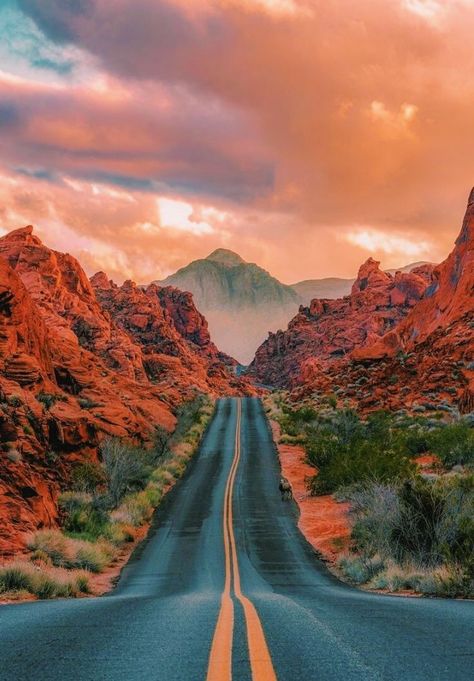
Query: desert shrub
[[126, 468], [88, 476], [360, 569], [48, 400], [15, 577], [120, 533], [86, 403], [134, 510], [188, 415], [418, 522], [162, 476], [14, 455], [417, 441], [454, 444], [71, 553], [41, 557], [444, 581], [83, 514], [161, 445], [347, 450], [375, 509], [93, 557], [293, 421], [44, 582], [54, 544]]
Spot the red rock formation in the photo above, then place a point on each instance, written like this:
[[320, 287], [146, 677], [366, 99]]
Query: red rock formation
[[430, 354], [425, 362], [330, 329], [76, 366]]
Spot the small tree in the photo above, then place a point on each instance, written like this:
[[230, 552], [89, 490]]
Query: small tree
[[125, 468], [161, 444]]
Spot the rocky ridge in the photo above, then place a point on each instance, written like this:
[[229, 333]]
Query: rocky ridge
[[397, 342], [328, 330]]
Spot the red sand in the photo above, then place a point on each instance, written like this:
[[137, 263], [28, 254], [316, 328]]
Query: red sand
[[323, 521]]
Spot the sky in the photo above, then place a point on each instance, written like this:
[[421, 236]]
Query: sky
[[306, 135]]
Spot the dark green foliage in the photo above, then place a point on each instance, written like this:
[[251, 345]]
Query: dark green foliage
[[454, 444], [84, 516], [294, 421], [88, 477], [348, 450], [49, 399], [417, 522]]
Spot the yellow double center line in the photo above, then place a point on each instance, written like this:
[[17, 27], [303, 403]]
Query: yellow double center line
[[220, 660]]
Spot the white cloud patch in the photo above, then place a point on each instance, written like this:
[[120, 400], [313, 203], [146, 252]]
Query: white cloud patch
[[426, 9], [378, 241], [180, 215]]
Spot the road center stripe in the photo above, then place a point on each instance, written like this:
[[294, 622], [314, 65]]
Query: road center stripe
[[220, 660]]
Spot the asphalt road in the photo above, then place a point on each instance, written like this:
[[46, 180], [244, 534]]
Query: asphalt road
[[226, 587]]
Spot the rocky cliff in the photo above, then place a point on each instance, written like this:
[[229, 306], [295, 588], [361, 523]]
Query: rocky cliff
[[402, 341], [82, 360], [428, 359], [328, 330]]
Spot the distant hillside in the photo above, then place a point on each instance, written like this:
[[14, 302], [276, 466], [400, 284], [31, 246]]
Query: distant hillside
[[332, 287], [243, 302]]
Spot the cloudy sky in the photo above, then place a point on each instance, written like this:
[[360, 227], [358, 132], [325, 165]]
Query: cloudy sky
[[304, 134]]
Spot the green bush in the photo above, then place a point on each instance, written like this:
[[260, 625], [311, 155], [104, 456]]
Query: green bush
[[453, 444], [348, 450], [83, 514], [88, 476], [422, 523], [293, 421]]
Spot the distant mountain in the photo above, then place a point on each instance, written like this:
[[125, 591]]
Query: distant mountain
[[240, 300], [332, 287], [225, 279], [243, 302]]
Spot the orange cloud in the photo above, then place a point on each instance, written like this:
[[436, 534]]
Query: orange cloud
[[322, 130]]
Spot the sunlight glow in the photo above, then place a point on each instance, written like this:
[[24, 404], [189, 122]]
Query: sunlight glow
[[180, 215], [376, 241]]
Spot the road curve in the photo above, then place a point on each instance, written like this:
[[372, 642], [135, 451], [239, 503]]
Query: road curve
[[226, 587]]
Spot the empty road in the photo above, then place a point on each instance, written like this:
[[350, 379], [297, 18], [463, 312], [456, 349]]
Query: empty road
[[227, 588]]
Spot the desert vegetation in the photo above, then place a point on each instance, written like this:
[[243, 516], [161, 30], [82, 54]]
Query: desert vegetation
[[409, 481], [106, 504]]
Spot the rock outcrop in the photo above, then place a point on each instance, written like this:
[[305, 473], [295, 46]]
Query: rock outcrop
[[397, 342], [328, 330], [81, 360], [428, 359]]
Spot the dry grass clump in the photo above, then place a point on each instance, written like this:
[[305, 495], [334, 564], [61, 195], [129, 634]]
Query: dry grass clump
[[42, 581], [69, 553], [415, 535]]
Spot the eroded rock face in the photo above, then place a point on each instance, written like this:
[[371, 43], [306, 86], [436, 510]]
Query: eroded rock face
[[429, 357], [423, 361], [81, 360], [328, 330]]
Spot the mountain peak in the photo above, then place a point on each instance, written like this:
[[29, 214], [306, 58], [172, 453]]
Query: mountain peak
[[226, 257]]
